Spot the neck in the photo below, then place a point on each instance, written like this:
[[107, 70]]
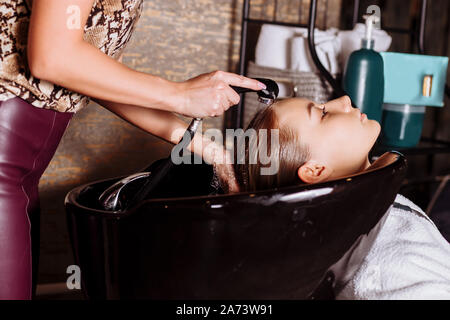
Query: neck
[[366, 164], [350, 171]]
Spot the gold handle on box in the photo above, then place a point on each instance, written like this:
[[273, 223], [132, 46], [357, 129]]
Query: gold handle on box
[[427, 85]]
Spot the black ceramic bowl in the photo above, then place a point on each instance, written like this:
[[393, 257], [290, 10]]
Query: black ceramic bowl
[[271, 244]]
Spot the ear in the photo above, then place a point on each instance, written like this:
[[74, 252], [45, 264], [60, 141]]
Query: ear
[[314, 172]]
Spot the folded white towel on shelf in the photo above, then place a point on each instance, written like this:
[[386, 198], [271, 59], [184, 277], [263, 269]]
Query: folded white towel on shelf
[[328, 47], [272, 48], [287, 48], [351, 41], [406, 257]]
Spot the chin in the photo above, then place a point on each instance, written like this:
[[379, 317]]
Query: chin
[[375, 130], [376, 127]]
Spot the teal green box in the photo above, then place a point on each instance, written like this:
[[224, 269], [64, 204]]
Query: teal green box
[[404, 77]]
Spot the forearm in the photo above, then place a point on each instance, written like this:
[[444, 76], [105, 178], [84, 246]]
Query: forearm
[[166, 126], [160, 123], [169, 127]]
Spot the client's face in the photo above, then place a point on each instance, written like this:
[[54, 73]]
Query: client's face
[[338, 135]]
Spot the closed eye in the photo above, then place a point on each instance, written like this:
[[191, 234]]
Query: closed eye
[[324, 112]]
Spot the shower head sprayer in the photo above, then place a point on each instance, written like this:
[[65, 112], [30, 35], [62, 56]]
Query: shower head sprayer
[[266, 96]]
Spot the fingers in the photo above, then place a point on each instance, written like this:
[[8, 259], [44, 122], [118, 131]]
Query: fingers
[[218, 105], [232, 97], [221, 102], [238, 81], [225, 98]]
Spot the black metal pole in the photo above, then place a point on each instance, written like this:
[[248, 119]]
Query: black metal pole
[[423, 18], [421, 49], [312, 49], [355, 12], [445, 52]]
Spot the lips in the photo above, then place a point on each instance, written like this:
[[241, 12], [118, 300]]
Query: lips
[[363, 116]]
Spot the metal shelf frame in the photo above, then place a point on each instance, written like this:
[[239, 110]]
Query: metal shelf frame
[[237, 113]]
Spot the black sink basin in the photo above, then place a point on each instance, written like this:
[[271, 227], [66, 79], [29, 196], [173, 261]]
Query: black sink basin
[[189, 244]]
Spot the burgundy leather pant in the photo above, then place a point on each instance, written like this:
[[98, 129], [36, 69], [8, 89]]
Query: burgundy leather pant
[[29, 137]]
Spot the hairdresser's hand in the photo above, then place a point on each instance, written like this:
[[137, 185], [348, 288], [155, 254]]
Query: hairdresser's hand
[[210, 94]]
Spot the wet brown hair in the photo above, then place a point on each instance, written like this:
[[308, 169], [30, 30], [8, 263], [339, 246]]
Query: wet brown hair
[[291, 155]]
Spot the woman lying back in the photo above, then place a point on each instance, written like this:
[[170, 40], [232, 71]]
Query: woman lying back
[[408, 258]]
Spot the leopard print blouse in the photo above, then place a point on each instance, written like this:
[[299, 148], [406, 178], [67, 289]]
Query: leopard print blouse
[[109, 28]]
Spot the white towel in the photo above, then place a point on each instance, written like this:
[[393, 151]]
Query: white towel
[[272, 48], [287, 48], [406, 257], [328, 48]]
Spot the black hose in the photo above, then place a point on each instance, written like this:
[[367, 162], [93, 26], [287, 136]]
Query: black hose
[[312, 49], [157, 177]]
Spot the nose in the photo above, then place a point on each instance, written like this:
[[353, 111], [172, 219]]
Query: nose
[[342, 104]]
